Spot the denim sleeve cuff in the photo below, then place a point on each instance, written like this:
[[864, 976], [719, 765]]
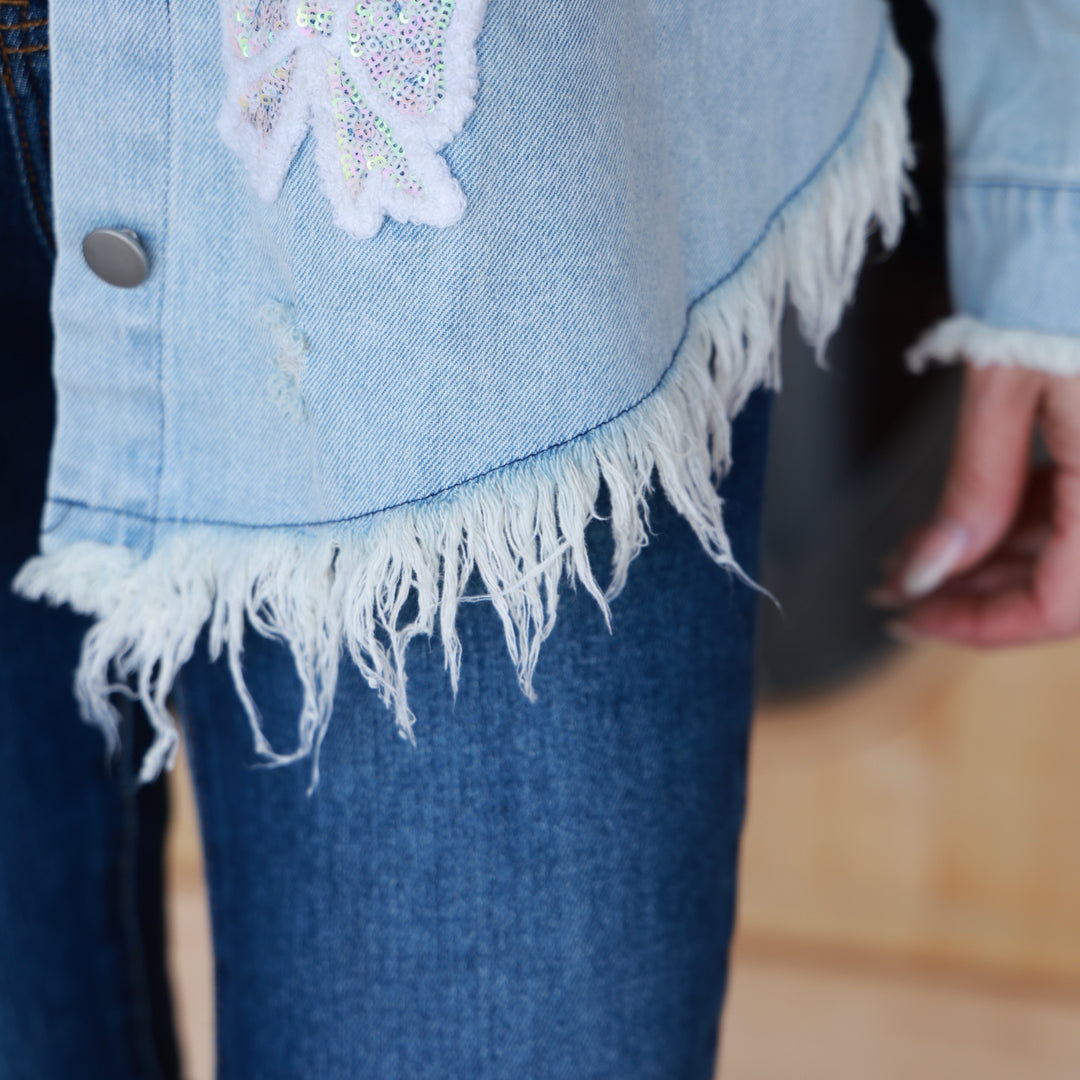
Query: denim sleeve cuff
[[965, 338], [1014, 259], [1014, 253]]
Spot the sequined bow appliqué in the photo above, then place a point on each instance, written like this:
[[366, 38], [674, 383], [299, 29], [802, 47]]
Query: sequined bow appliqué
[[384, 84]]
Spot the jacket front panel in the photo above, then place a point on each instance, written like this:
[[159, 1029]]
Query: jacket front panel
[[363, 367], [621, 161]]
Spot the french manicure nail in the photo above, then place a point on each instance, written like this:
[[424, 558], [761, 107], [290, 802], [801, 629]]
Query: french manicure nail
[[933, 563]]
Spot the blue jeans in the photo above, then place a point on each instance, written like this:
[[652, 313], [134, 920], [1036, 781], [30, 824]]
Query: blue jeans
[[534, 890], [82, 977]]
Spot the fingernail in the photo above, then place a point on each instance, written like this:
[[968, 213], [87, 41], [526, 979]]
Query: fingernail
[[933, 562]]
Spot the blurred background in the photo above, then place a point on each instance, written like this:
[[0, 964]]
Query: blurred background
[[910, 892]]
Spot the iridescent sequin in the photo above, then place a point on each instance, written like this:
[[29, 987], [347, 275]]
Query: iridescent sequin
[[263, 100], [383, 86], [258, 22], [401, 43], [315, 18], [366, 141]]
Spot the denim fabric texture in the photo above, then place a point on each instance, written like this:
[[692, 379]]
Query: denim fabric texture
[[622, 160], [535, 890], [82, 970], [1011, 80], [24, 69]]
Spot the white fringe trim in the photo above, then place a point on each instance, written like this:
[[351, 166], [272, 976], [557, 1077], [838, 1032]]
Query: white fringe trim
[[964, 338], [522, 529]]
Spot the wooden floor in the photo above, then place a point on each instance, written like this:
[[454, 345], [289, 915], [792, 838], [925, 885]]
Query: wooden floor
[[816, 1018], [930, 812], [910, 900]]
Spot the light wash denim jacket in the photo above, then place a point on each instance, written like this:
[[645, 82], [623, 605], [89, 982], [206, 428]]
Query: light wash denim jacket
[[424, 274]]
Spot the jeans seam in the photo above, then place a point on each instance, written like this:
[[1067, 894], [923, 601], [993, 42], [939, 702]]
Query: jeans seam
[[37, 198]]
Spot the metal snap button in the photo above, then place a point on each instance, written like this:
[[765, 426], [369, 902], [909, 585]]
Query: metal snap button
[[116, 256]]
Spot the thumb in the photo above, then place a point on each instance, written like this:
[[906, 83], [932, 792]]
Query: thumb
[[985, 481]]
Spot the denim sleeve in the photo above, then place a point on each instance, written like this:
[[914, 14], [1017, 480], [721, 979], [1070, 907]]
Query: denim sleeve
[[1010, 73]]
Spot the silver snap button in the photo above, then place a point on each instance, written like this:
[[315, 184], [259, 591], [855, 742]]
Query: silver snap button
[[116, 256]]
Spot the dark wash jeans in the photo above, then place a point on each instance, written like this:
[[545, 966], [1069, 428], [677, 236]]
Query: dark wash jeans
[[534, 891], [82, 977]]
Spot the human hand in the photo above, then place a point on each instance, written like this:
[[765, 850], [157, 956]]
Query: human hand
[[1000, 562]]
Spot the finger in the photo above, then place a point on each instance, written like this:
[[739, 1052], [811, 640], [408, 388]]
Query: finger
[[1028, 533], [985, 478], [1010, 564], [1057, 576], [997, 575], [1039, 603], [1032, 526]]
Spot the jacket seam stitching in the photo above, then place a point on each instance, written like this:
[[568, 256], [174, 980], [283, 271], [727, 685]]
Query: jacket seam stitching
[[1073, 187], [162, 307]]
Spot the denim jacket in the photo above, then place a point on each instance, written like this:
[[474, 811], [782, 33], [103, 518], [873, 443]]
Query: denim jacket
[[413, 279]]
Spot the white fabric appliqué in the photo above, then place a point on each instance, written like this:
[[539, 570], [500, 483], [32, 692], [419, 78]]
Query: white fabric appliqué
[[385, 84]]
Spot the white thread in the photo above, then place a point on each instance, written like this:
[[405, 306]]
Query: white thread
[[963, 338], [522, 529]]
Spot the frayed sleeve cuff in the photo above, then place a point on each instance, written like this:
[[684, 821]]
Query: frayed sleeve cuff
[[965, 338]]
